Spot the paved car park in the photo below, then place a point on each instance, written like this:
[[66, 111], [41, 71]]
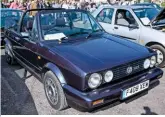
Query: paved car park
[[26, 96]]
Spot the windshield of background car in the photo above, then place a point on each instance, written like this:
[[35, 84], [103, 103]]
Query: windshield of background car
[[57, 25], [9, 18], [146, 14]]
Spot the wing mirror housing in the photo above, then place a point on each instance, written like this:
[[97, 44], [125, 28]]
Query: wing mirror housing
[[25, 34]]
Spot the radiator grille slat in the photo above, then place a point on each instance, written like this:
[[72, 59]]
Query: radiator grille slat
[[121, 71]]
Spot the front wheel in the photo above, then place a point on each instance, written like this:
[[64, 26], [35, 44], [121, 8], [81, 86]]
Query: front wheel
[[54, 91], [160, 55]]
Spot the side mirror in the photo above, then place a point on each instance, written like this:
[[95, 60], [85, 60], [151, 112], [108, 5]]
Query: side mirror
[[25, 34], [133, 26]]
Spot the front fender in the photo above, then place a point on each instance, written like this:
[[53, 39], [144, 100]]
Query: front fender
[[56, 71], [147, 37]]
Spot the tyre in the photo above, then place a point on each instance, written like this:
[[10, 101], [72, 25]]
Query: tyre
[[160, 55], [9, 57], [54, 92]]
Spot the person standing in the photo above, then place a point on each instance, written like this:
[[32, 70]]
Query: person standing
[[47, 4], [21, 6], [14, 5], [56, 5], [34, 5], [93, 7], [28, 5], [65, 5], [40, 4], [126, 2]]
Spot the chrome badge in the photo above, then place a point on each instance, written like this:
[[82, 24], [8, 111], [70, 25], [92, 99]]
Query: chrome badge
[[129, 70]]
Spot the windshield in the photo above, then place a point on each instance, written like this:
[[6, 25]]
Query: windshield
[[56, 25], [146, 14], [157, 6], [9, 18]]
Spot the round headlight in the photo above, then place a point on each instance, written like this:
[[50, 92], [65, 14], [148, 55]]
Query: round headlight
[[94, 80], [108, 76], [153, 61], [147, 63]]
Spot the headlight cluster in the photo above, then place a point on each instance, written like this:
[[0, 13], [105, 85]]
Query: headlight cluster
[[150, 62], [96, 79]]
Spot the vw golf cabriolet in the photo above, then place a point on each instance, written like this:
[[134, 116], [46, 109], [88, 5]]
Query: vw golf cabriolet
[[78, 62]]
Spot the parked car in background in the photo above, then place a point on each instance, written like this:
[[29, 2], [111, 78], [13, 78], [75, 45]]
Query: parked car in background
[[143, 25], [9, 18], [78, 62], [149, 4]]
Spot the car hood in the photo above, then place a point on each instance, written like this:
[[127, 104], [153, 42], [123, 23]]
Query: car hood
[[159, 17], [99, 52]]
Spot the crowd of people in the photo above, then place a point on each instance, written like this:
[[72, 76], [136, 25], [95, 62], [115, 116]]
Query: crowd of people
[[67, 4], [34, 4]]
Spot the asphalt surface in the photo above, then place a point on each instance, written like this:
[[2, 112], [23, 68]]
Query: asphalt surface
[[21, 95]]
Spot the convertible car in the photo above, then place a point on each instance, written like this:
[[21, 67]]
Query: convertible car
[[143, 25], [79, 63]]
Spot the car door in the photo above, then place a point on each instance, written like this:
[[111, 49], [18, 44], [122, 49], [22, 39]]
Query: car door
[[126, 26], [15, 38], [105, 18], [29, 43]]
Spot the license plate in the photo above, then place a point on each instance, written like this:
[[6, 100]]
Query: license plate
[[135, 89]]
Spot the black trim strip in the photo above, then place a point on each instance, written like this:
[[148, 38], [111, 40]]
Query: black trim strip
[[28, 68], [126, 37]]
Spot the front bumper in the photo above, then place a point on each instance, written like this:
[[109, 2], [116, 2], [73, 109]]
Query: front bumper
[[108, 93]]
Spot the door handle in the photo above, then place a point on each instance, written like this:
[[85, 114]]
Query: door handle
[[116, 27]]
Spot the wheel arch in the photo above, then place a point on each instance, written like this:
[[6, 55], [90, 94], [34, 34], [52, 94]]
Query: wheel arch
[[57, 72], [154, 43]]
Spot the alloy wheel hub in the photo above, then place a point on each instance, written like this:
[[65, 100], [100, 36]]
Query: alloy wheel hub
[[51, 91], [160, 56]]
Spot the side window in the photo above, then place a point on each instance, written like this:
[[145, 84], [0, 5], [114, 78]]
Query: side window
[[29, 27], [27, 24], [124, 18], [105, 16], [34, 34]]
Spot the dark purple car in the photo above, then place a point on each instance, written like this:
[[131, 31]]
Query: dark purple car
[[79, 63]]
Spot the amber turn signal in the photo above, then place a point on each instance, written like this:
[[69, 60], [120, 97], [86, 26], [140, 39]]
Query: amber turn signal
[[98, 102], [39, 57]]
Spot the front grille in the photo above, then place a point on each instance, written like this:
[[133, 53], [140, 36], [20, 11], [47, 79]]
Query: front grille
[[121, 71]]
